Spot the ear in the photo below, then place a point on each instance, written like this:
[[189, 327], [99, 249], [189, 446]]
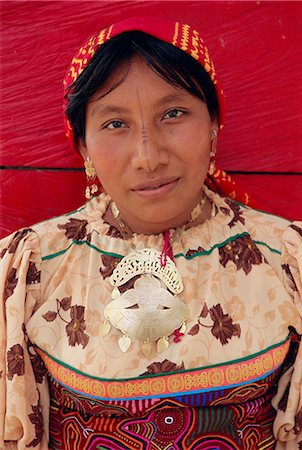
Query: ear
[[83, 149]]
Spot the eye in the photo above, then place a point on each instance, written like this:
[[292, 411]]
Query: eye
[[115, 124], [173, 113]]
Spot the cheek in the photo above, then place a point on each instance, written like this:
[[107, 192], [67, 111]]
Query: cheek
[[198, 151], [109, 168], [105, 167], [104, 154]]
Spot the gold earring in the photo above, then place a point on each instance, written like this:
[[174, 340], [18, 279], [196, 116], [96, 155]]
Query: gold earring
[[213, 152], [92, 187], [213, 134], [212, 163]]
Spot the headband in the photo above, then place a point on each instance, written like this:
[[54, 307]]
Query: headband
[[178, 34]]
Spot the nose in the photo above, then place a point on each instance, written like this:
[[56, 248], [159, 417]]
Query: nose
[[149, 151]]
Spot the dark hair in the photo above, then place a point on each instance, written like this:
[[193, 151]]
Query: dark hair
[[169, 62]]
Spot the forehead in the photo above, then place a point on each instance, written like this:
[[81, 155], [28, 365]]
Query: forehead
[[135, 77]]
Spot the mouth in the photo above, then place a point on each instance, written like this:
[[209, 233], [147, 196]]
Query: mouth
[[156, 187]]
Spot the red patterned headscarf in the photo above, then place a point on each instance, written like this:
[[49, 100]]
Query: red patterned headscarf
[[176, 33]]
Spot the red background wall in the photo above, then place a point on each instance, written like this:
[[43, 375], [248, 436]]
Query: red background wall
[[256, 47]]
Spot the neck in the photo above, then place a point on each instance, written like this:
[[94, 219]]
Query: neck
[[128, 227]]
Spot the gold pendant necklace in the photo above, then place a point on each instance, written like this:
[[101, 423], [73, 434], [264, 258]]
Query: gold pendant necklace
[[150, 311]]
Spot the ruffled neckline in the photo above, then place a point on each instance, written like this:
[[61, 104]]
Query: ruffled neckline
[[227, 222]]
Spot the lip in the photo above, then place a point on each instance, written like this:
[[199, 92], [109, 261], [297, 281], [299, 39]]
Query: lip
[[155, 187]]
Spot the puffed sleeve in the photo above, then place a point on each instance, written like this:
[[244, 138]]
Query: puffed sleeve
[[288, 400], [24, 401]]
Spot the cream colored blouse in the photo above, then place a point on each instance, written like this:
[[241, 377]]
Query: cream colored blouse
[[241, 272]]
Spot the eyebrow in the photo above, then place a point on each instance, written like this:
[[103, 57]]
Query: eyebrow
[[108, 109], [115, 109], [169, 98]]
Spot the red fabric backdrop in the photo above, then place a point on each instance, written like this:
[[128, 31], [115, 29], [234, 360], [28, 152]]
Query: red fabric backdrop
[[256, 47]]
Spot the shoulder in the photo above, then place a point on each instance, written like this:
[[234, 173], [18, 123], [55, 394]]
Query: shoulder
[[292, 251], [266, 232], [23, 240], [274, 231], [264, 228], [239, 219], [56, 234]]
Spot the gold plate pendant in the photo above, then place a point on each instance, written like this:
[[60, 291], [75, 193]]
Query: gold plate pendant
[[147, 312]]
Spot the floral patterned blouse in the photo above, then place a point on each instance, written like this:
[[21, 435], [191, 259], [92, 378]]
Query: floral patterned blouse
[[231, 380]]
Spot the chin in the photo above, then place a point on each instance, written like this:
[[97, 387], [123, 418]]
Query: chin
[[159, 222]]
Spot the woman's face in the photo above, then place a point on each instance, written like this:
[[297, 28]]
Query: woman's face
[[150, 143]]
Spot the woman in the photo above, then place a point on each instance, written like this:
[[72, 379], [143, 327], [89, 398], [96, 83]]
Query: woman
[[160, 315]]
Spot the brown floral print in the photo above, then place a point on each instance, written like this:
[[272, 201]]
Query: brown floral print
[[65, 303], [39, 368], [50, 316], [37, 364], [33, 274], [289, 274], [75, 229], [76, 327], [222, 328], [114, 232], [10, 284], [237, 212], [242, 252], [225, 211], [109, 263], [296, 228], [193, 252], [163, 367], [18, 236], [15, 361], [37, 420]]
